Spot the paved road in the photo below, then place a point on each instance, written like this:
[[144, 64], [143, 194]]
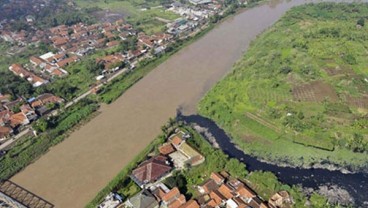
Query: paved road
[[84, 95], [14, 139]]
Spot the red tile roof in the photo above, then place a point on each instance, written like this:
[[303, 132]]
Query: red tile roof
[[217, 178], [190, 204], [19, 70], [172, 194], [226, 191], [177, 202], [176, 140], [151, 170], [166, 149], [217, 197], [209, 186], [4, 131], [17, 119], [36, 61], [246, 192]]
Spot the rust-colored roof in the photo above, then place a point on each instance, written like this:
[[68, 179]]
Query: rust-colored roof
[[36, 60], [166, 149], [151, 170], [17, 119], [45, 99], [190, 204], [217, 197], [212, 203], [4, 131], [169, 196], [217, 178], [226, 191], [177, 202], [18, 70], [112, 43], [209, 186], [67, 61], [246, 192], [159, 193], [176, 140]]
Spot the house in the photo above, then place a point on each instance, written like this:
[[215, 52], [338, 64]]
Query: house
[[185, 153], [111, 62], [217, 197], [40, 104], [4, 117], [18, 119], [111, 201], [18, 70], [144, 199], [67, 61], [5, 132], [151, 170], [217, 178], [173, 198], [28, 112], [112, 43], [166, 149], [226, 191], [207, 186], [281, 199], [37, 61], [190, 204]]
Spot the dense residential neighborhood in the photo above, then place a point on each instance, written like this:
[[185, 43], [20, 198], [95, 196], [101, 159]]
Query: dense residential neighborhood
[[71, 44], [176, 155], [18, 114]]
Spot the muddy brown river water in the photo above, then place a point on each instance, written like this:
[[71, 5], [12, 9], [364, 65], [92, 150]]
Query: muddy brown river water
[[72, 173]]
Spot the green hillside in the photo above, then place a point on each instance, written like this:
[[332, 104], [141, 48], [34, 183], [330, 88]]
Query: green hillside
[[300, 93]]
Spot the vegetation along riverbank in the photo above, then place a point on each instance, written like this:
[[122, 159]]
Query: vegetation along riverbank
[[299, 95], [187, 179]]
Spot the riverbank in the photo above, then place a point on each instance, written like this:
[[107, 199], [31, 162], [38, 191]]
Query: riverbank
[[264, 183], [320, 180], [291, 99]]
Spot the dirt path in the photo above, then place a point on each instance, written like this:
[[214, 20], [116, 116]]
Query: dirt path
[[71, 173]]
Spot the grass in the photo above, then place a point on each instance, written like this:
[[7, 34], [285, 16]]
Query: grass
[[140, 13], [296, 51]]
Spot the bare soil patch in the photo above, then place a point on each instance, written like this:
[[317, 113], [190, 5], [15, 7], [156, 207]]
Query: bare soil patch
[[316, 91], [361, 102]]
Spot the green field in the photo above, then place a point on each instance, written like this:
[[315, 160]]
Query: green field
[[300, 93], [141, 13]]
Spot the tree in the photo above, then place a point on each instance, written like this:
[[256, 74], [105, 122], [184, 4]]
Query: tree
[[41, 125], [361, 22], [236, 168], [317, 201]]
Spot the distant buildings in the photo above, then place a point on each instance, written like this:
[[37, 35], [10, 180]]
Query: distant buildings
[[35, 80], [17, 114]]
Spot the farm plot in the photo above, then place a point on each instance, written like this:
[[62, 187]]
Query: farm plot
[[316, 91]]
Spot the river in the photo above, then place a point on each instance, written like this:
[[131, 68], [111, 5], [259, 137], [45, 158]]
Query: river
[[72, 172], [356, 184]]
